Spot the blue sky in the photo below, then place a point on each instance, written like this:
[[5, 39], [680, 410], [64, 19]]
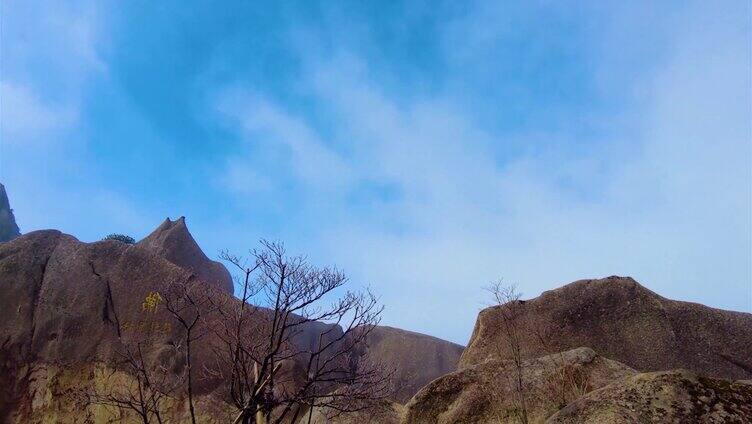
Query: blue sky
[[427, 148]]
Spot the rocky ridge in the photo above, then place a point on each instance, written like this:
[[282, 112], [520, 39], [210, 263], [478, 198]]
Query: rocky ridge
[[624, 321]]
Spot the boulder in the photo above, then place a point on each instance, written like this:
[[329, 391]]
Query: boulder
[[678, 396], [488, 392], [622, 320]]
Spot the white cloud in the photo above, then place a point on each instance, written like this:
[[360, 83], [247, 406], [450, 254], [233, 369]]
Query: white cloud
[[27, 119], [273, 132], [672, 205], [49, 51]]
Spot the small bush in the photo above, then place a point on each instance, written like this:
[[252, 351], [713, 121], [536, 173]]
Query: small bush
[[121, 238]]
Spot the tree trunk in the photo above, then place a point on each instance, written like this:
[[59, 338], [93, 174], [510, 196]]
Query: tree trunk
[[190, 378]]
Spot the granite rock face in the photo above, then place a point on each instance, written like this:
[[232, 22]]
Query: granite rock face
[[174, 242], [63, 299], [622, 320], [487, 392], [71, 305], [667, 397], [64, 302]]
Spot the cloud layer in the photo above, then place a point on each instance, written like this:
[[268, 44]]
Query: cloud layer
[[415, 198]]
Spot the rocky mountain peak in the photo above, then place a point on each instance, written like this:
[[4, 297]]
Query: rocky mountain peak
[[174, 242], [8, 228]]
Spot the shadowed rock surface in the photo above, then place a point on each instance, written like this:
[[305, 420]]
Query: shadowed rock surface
[[174, 242], [416, 358], [666, 397], [485, 392], [622, 320], [8, 228]]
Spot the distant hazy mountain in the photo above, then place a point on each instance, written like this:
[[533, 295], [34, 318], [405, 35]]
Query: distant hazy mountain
[[416, 358]]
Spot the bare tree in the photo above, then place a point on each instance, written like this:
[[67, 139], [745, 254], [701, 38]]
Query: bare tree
[[136, 380], [510, 310], [190, 304], [142, 389], [272, 374]]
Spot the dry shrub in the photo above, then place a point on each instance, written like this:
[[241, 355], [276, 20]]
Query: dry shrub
[[567, 383]]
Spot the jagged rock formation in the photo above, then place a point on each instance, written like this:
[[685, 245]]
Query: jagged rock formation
[[173, 241], [486, 392], [64, 303], [8, 228], [666, 397], [416, 358], [622, 320]]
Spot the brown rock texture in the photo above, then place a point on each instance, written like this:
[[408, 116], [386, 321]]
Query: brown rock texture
[[63, 302], [486, 392], [174, 242], [416, 358], [52, 398], [622, 320], [8, 228], [62, 299], [662, 397]]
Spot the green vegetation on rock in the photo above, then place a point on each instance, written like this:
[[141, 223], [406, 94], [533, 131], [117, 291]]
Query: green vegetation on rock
[[121, 238]]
